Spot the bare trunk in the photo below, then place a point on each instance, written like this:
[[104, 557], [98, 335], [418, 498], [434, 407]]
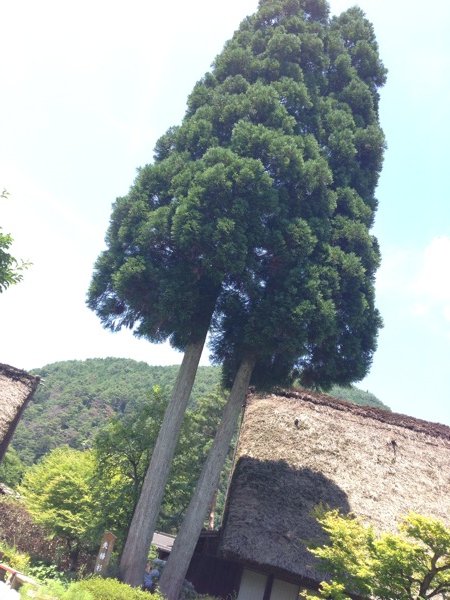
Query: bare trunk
[[140, 534], [177, 565]]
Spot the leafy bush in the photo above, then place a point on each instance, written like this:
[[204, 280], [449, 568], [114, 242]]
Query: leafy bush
[[111, 589], [13, 557], [43, 572], [88, 589], [54, 590], [410, 565]]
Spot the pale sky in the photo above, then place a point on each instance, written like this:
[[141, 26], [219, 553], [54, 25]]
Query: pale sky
[[89, 86]]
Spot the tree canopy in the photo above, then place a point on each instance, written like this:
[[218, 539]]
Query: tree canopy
[[308, 299], [413, 564], [58, 493], [271, 174]]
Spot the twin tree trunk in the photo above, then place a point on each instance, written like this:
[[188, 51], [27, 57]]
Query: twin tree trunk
[[140, 534], [177, 565]]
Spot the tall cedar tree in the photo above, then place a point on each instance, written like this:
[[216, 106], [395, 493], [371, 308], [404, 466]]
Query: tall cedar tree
[[306, 306], [190, 222], [191, 229]]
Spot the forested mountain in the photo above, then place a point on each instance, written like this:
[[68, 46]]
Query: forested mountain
[[76, 398]]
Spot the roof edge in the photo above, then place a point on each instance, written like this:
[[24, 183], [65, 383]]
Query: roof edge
[[19, 375]]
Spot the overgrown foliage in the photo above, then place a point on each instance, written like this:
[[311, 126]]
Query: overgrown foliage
[[411, 565], [13, 557], [111, 589]]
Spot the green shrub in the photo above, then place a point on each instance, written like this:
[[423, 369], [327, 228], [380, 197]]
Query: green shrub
[[12, 557], [111, 589], [54, 590], [44, 572], [87, 589]]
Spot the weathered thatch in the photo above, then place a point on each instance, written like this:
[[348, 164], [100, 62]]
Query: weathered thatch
[[297, 450], [16, 389]]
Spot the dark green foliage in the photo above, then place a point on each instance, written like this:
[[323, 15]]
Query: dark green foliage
[[76, 398], [111, 589], [187, 224], [11, 468], [299, 93], [123, 449]]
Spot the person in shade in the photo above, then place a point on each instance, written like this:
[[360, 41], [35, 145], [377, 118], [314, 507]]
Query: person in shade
[[151, 576]]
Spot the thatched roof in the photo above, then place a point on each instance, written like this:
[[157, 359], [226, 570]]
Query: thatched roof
[[16, 389], [299, 449]]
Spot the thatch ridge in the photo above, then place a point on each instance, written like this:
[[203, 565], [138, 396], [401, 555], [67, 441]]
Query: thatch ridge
[[16, 374], [379, 414]]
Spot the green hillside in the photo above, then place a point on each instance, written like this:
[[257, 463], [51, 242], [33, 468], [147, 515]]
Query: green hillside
[[357, 396], [76, 398]]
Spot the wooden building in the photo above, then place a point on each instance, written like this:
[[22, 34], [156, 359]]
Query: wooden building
[[297, 450], [16, 389]]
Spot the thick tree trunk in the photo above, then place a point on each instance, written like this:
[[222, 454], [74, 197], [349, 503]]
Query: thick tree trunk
[[134, 556], [183, 549]]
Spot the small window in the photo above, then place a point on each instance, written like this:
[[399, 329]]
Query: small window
[[252, 585], [282, 590]]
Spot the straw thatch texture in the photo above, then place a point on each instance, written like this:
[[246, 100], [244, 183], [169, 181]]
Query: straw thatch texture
[[297, 450], [16, 389]]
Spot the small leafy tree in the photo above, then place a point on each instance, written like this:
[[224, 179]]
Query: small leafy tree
[[58, 493], [123, 449], [11, 468], [10, 268], [411, 565]]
